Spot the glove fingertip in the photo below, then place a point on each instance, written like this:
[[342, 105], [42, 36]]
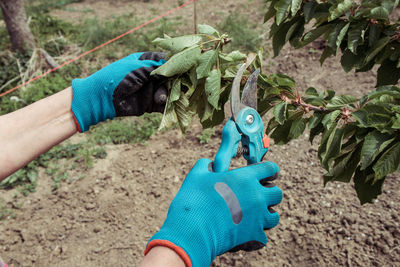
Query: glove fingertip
[[271, 220], [274, 195]]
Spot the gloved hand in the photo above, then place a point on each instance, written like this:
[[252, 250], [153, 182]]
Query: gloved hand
[[217, 212], [123, 88]]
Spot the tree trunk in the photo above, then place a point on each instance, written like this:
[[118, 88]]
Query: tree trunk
[[17, 25]]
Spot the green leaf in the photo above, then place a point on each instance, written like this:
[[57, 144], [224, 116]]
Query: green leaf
[[311, 91], [341, 101], [293, 30], [355, 36], [216, 119], [329, 94], [177, 44], [384, 90], [206, 61], [297, 128], [233, 56], [182, 115], [284, 80], [374, 33], [281, 7], [379, 13], [308, 10], [333, 147], [213, 87], [169, 117], [324, 140], [279, 38], [349, 60], [271, 11], [372, 115], [388, 163], [280, 134], [396, 123], [314, 34], [341, 8], [237, 55], [379, 121], [207, 110], [341, 35], [316, 131], [327, 53], [315, 120], [193, 77], [364, 186], [296, 4], [374, 143], [344, 167], [374, 50], [179, 63], [330, 119], [333, 35], [207, 29], [280, 112], [175, 90], [388, 73]]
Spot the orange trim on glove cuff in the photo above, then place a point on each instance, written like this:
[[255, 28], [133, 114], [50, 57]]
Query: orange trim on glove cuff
[[76, 122], [168, 244]]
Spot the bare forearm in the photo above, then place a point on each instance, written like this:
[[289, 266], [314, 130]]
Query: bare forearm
[[31, 131], [162, 257]]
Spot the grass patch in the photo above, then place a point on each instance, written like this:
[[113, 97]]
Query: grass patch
[[205, 136], [126, 130], [83, 153], [5, 211], [93, 32]]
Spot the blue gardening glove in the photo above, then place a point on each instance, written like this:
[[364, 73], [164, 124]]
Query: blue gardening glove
[[123, 88], [217, 212]]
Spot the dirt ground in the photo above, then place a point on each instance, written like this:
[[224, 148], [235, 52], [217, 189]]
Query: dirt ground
[[107, 218]]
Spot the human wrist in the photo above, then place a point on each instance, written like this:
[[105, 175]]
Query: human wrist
[[162, 256], [181, 253]]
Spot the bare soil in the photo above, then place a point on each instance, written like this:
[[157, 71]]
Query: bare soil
[[108, 217]]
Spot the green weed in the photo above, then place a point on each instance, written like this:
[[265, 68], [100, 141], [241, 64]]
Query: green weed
[[126, 130], [58, 175], [206, 135], [5, 211], [83, 153], [26, 175]]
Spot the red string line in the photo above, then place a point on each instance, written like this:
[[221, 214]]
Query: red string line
[[99, 46]]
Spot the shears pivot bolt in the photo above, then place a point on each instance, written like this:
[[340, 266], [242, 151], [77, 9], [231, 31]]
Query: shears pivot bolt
[[249, 119]]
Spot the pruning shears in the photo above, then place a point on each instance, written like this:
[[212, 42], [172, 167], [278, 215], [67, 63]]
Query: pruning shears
[[244, 126]]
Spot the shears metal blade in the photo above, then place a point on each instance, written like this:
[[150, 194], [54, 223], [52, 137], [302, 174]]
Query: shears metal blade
[[244, 126]]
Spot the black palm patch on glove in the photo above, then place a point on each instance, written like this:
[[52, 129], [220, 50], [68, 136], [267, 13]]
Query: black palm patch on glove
[[139, 92]]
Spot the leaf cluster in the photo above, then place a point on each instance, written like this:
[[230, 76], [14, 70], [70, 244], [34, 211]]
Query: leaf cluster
[[360, 138], [200, 75], [362, 30]]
